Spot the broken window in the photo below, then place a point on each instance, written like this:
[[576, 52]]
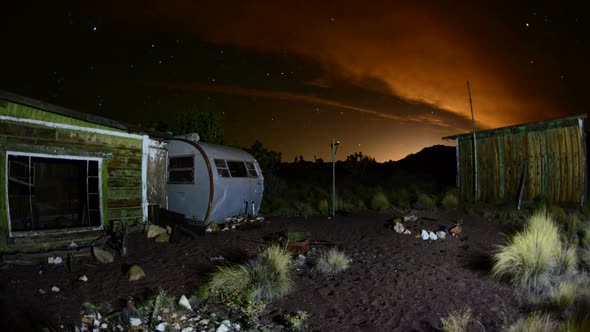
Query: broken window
[[46, 193], [237, 169], [181, 170], [222, 168], [252, 172]]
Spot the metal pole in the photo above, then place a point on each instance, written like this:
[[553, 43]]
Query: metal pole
[[333, 177], [474, 145]]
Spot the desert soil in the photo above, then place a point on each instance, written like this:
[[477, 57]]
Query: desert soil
[[395, 283]]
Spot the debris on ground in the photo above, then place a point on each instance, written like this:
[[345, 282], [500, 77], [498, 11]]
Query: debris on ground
[[407, 232], [83, 278], [398, 227], [410, 217], [183, 302], [135, 273], [155, 230], [216, 259], [455, 230], [102, 255]]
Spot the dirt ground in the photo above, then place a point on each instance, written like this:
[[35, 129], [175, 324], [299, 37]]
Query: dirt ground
[[395, 283]]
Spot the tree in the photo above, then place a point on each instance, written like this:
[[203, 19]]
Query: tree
[[267, 159], [357, 163], [204, 121]]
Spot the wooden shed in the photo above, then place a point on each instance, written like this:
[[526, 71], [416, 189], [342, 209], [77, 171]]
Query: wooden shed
[[68, 177], [543, 158]]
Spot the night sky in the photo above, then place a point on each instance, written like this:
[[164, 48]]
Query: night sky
[[383, 77]]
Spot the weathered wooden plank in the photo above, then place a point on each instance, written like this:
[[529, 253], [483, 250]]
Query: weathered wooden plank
[[124, 203], [125, 162], [125, 213], [126, 182], [124, 172], [124, 193]]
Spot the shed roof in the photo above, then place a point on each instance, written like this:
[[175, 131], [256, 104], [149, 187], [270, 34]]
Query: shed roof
[[524, 127]]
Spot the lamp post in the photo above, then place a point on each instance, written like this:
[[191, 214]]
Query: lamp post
[[334, 146]]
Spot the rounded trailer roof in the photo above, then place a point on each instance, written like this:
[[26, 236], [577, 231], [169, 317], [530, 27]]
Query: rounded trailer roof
[[216, 151]]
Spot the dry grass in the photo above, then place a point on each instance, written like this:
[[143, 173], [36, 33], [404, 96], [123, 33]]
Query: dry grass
[[379, 202], [230, 277], [562, 295], [457, 320], [537, 322], [532, 257], [332, 261], [450, 201]]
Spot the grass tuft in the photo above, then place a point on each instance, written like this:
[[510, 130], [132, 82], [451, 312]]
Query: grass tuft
[[566, 260], [379, 202], [233, 276], [450, 201], [332, 261], [530, 257], [563, 294], [457, 321], [586, 236], [535, 322], [424, 202], [324, 207]]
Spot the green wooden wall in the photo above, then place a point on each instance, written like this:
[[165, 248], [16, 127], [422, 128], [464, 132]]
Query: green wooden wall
[[554, 155], [121, 168]]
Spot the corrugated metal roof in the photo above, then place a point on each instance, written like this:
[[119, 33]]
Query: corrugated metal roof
[[521, 128]]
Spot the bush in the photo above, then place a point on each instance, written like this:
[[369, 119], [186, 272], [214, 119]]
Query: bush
[[324, 207], [400, 198], [586, 236], [457, 321], [563, 294], [585, 258], [532, 257], [450, 201], [572, 229], [379, 202], [266, 277], [536, 322], [424, 202], [565, 260], [294, 321], [332, 262]]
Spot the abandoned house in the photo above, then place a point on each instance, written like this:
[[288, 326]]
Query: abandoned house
[[209, 182], [525, 162], [68, 176]]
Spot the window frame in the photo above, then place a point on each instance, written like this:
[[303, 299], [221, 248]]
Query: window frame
[[14, 234], [181, 169]]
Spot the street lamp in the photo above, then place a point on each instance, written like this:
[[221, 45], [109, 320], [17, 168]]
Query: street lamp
[[334, 146]]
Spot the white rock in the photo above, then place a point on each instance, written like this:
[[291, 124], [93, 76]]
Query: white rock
[[134, 321], [55, 289], [398, 227], [161, 327], [441, 235], [425, 235], [204, 322], [83, 278], [95, 322], [410, 217], [177, 326], [73, 245], [120, 328], [407, 232], [96, 329], [432, 236], [226, 323], [182, 318], [155, 230], [222, 328], [57, 260], [104, 326], [213, 314], [184, 302], [187, 329], [50, 260], [98, 315], [237, 326]]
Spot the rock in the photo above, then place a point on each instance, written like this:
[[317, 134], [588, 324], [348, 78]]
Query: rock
[[222, 328], [133, 321], [104, 326], [102, 256], [135, 273], [41, 291], [73, 245], [455, 230], [83, 278], [187, 329], [204, 322], [407, 232], [441, 235], [50, 260], [425, 235], [169, 230], [183, 302], [57, 260], [237, 326], [155, 230], [226, 323], [161, 327], [432, 236], [55, 289], [213, 227], [301, 260], [398, 227], [176, 326], [410, 217], [164, 237]]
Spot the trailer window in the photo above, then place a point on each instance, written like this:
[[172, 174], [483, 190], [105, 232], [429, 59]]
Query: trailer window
[[252, 172], [222, 169], [46, 193], [181, 170], [237, 169]]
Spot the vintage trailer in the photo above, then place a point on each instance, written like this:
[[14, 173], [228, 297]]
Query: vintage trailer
[[68, 177], [208, 182]]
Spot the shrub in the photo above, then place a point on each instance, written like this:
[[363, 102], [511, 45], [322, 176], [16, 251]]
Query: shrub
[[563, 294], [294, 321], [305, 210], [324, 207], [541, 203], [332, 261], [535, 322], [457, 321], [424, 202], [572, 229], [565, 260], [531, 257], [559, 215], [450, 201], [585, 258], [400, 198], [379, 202], [586, 236], [266, 277]]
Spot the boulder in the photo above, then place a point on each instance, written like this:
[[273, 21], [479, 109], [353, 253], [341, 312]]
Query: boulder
[[135, 273], [455, 230], [398, 227], [102, 256], [155, 230], [164, 237]]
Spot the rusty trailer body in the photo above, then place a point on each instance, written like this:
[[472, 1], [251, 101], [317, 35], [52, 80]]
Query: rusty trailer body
[[68, 177], [544, 158]]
